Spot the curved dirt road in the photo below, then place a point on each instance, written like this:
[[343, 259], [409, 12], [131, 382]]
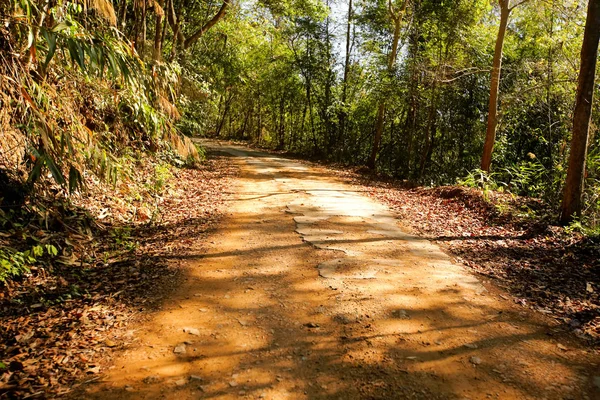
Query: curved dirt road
[[310, 290]]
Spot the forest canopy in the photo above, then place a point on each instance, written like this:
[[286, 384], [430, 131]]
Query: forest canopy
[[428, 91]]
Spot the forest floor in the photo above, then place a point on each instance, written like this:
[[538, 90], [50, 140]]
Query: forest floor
[[310, 287], [60, 325]]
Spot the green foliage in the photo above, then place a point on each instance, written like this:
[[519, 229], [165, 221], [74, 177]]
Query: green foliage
[[278, 80], [73, 48], [482, 180], [275, 73], [15, 263], [528, 178], [162, 174], [122, 239]]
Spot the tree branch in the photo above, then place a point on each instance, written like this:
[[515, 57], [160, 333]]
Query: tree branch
[[196, 35], [517, 5]]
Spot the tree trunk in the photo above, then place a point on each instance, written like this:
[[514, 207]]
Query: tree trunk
[[377, 136], [281, 128], [330, 141], [344, 114], [225, 112], [158, 36], [431, 130], [122, 14], [572, 204], [490, 136], [397, 19]]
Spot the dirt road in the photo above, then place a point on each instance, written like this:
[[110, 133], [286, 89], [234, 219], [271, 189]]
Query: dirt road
[[310, 290]]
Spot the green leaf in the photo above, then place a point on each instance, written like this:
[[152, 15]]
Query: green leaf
[[37, 251], [60, 27], [36, 171], [75, 180], [51, 39], [30, 38], [55, 171], [50, 249]]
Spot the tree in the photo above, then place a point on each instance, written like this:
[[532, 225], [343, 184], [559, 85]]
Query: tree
[[344, 113], [492, 121], [572, 199], [396, 15]]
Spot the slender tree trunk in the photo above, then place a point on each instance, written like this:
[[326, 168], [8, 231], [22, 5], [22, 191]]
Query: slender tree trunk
[[260, 122], [329, 135], [397, 19], [431, 129], [311, 118], [377, 136], [242, 132], [549, 87], [344, 113], [281, 128], [122, 14], [292, 143], [144, 28], [158, 36], [572, 202], [492, 122], [228, 101]]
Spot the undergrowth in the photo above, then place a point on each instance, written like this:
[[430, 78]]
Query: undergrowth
[[532, 180], [81, 114]]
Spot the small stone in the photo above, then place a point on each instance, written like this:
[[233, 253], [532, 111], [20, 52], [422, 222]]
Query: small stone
[[179, 349], [311, 325], [180, 382], [475, 360], [342, 319], [110, 343], [128, 388], [403, 314], [196, 378], [233, 383], [561, 347], [150, 379], [471, 346], [192, 331]]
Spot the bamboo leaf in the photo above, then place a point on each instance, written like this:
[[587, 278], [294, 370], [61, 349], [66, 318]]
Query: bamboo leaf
[[54, 170], [75, 180]]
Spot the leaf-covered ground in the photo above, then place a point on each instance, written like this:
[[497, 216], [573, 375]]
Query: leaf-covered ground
[[119, 255]]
